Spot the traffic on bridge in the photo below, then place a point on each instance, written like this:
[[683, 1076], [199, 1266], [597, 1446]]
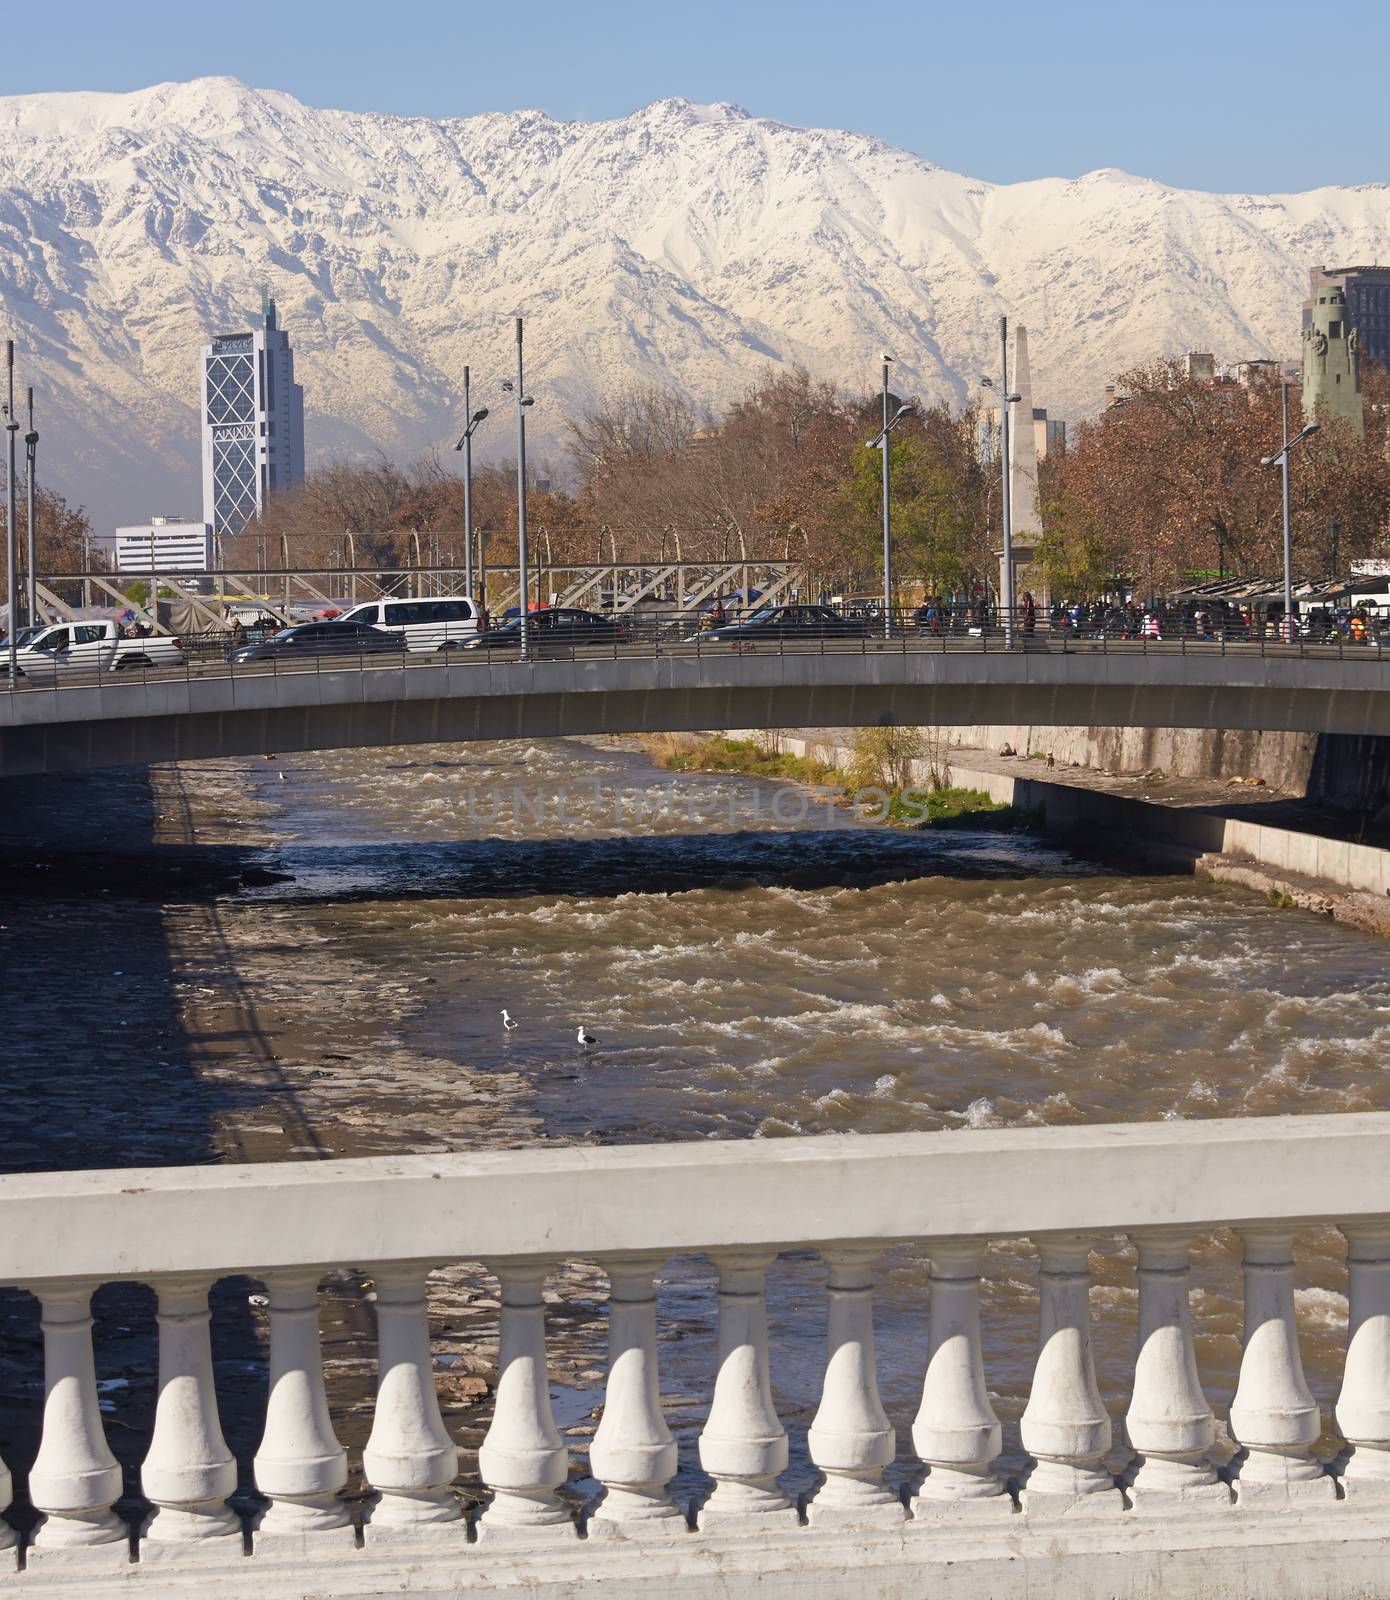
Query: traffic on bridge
[[458, 633]]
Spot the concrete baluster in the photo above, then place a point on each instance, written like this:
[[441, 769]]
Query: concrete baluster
[[743, 1446], [188, 1471], [1170, 1424], [75, 1479], [1363, 1407], [633, 1454], [410, 1460], [1065, 1427], [523, 1459], [956, 1432], [851, 1439], [1273, 1416], [300, 1464], [7, 1533]]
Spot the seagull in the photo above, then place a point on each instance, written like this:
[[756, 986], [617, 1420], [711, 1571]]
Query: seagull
[[508, 1021], [584, 1037]]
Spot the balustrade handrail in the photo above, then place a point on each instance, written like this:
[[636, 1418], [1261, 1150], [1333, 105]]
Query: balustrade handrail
[[586, 1203], [632, 1208]]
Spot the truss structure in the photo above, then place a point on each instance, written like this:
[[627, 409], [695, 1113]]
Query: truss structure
[[290, 594], [231, 418]]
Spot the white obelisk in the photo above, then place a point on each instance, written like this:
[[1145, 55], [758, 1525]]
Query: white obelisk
[[1023, 450]]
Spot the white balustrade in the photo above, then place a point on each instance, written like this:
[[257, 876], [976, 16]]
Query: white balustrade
[[188, 1471], [737, 1203], [75, 1480], [1274, 1417], [1065, 1427], [851, 1439], [1170, 1426], [300, 1465], [523, 1459], [1363, 1407], [956, 1433], [410, 1460], [633, 1454], [743, 1446]]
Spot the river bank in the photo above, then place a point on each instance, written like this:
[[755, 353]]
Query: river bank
[[1159, 821]]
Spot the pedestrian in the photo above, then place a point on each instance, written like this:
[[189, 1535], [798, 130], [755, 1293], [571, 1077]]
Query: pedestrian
[[1030, 613]]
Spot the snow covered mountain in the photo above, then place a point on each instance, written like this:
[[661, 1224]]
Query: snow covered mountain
[[686, 244]]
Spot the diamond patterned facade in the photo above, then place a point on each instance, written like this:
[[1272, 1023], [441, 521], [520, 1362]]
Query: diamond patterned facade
[[253, 424]]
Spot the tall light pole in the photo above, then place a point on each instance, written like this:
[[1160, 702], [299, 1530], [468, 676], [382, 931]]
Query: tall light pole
[[466, 445], [12, 511], [880, 442], [1006, 504], [1281, 459], [31, 450], [522, 401]]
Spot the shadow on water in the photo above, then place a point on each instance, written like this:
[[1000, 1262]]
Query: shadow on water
[[100, 1072], [606, 867]]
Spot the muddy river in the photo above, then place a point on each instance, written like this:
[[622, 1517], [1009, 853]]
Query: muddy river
[[308, 956]]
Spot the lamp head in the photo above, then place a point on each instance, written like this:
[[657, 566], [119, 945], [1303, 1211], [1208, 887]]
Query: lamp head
[[478, 416]]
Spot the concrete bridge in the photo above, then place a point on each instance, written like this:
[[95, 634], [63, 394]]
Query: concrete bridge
[[1159, 1498], [124, 719]]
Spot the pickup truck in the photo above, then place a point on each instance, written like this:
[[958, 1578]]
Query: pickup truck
[[61, 647]]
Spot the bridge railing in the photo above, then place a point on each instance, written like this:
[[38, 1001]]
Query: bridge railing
[[564, 635], [642, 1211]]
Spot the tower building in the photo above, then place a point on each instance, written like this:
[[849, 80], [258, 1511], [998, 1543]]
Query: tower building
[[253, 423], [1331, 360], [1368, 304]]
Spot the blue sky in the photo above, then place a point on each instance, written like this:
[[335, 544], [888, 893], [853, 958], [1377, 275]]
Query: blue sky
[[1222, 95]]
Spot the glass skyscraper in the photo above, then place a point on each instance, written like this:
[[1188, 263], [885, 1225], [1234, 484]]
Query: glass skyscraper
[[253, 423]]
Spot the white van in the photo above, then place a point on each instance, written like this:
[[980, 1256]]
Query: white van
[[442, 624]]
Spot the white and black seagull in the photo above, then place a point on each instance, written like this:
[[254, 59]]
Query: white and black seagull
[[584, 1037], [508, 1020]]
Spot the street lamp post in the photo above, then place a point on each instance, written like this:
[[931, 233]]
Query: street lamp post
[[1281, 459], [522, 401], [31, 450], [466, 445], [1006, 504], [880, 442], [11, 511]]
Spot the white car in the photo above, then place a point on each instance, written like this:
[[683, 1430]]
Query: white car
[[443, 624], [62, 647]]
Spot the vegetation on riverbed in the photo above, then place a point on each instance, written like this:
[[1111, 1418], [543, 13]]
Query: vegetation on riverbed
[[753, 758], [879, 779]]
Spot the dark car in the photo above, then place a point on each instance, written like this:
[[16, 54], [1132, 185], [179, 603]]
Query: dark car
[[790, 623], [347, 639], [554, 630]]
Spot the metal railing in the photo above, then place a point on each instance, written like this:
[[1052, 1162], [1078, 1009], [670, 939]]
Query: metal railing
[[556, 635]]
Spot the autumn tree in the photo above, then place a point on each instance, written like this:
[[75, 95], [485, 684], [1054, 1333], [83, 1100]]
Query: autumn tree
[[63, 534], [381, 514], [1170, 482]]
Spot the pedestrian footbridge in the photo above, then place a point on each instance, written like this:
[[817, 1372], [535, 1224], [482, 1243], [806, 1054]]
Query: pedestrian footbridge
[[124, 718]]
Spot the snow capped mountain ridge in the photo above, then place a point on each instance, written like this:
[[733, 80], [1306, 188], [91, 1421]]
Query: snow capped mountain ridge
[[685, 244]]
